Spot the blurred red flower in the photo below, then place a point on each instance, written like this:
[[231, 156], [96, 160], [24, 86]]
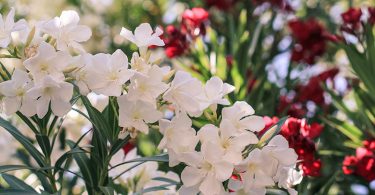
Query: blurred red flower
[[176, 42], [221, 4], [310, 40], [313, 91], [371, 11], [351, 20], [193, 21], [363, 163]]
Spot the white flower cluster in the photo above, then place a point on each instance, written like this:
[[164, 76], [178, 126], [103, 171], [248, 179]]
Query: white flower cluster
[[143, 90]]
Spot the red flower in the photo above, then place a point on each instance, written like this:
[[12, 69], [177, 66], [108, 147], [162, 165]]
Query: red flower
[[288, 106], [176, 42], [349, 165], [291, 127], [221, 4], [371, 11], [363, 163], [229, 60], [366, 168], [311, 131], [311, 38], [313, 91], [311, 168], [193, 21], [351, 20], [369, 144]]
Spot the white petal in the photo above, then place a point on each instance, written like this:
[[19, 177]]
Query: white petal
[[60, 107], [191, 176], [42, 107], [28, 107], [209, 132], [11, 105], [210, 186], [9, 21], [127, 34], [69, 17], [223, 170], [80, 33], [253, 123], [211, 152]]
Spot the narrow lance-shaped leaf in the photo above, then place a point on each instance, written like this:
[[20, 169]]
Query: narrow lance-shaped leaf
[[16, 183], [24, 141]]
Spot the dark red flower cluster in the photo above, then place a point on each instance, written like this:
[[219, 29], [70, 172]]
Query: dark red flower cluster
[[310, 40], [288, 106], [371, 11], [300, 136], [193, 24], [352, 19], [193, 21], [312, 91], [279, 4], [221, 4], [363, 163], [176, 42]]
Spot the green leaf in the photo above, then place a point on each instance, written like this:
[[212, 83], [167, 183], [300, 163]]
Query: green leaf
[[370, 51], [351, 131], [167, 180], [7, 168], [152, 189], [157, 158], [107, 190], [85, 166], [66, 155], [16, 192], [16, 183], [44, 144], [99, 122], [39, 158]]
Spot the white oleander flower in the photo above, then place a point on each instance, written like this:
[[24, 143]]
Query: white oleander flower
[[47, 61], [108, 73], [66, 30], [143, 36], [287, 177], [215, 90], [186, 94], [179, 148], [81, 66], [15, 92], [179, 126], [139, 64], [7, 26], [240, 116], [278, 154], [256, 176], [207, 169], [147, 87], [227, 140], [54, 92], [134, 115]]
